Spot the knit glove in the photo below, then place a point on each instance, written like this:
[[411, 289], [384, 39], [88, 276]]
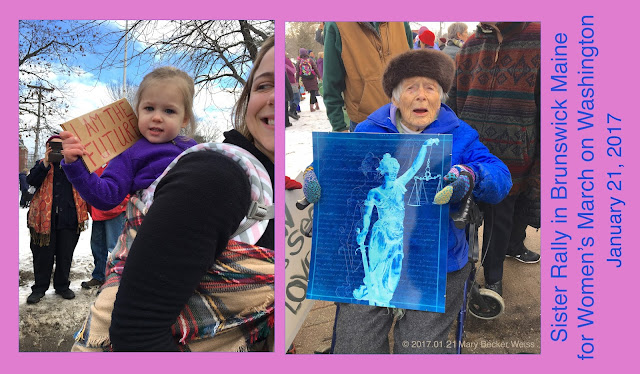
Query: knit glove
[[461, 180], [310, 185]]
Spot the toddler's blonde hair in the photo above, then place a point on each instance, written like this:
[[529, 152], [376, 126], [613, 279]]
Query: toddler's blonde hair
[[186, 86]]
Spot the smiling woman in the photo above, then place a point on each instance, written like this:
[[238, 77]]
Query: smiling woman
[[259, 110], [199, 275], [254, 112]]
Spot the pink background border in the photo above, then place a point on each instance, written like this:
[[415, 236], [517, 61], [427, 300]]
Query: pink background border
[[614, 289]]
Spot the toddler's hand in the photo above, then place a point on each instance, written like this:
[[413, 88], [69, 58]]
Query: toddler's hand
[[72, 148]]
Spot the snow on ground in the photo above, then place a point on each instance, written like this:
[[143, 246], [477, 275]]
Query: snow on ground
[[49, 325], [298, 144], [81, 267]]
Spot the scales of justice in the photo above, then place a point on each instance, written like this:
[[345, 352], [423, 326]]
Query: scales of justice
[[418, 195]]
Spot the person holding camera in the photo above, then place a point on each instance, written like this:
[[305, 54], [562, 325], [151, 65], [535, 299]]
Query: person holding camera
[[57, 215]]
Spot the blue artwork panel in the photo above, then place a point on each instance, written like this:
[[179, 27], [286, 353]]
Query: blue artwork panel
[[378, 238]]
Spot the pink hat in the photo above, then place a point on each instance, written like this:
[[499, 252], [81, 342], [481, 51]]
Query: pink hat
[[427, 37]]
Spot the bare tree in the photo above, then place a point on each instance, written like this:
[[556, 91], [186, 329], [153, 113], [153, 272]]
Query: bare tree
[[302, 35], [48, 49], [218, 54], [206, 133], [114, 90]]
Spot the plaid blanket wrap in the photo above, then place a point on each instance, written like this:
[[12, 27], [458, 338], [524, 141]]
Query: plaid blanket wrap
[[231, 310]]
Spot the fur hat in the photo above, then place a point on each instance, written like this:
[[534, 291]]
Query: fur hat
[[428, 63]]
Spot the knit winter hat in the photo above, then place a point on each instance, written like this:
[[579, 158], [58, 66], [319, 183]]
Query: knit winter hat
[[419, 63], [427, 37], [54, 136], [302, 52]]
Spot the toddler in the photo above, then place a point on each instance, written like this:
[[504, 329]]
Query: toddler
[[164, 104]]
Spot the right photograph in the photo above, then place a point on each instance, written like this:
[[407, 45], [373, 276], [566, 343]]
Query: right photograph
[[413, 187]]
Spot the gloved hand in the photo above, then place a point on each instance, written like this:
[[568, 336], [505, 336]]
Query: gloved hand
[[310, 188], [461, 180], [310, 185]]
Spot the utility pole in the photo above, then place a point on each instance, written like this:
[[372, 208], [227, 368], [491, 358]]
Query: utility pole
[[40, 89], [124, 75]]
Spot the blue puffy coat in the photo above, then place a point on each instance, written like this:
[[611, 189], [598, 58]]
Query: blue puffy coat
[[493, 180]]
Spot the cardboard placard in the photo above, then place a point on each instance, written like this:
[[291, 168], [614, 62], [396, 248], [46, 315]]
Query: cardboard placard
[[105, 132], [298, 246]]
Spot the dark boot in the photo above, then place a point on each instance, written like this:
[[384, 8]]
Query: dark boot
[[66, 294], [35, 297]]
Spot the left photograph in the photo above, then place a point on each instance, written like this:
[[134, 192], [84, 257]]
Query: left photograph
[[146, 175]]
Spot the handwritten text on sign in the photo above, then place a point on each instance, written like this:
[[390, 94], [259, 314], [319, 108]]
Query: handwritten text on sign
[[105, 132]]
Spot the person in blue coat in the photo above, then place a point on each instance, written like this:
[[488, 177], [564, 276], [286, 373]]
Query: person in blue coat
[[416, 82]]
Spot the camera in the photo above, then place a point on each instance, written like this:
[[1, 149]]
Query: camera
[[56, 152]]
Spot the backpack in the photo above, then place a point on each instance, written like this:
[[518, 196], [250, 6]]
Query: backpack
[[306, 70]]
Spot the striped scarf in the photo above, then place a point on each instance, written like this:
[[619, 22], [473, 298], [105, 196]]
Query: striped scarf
[[232, 307], [40, 209]]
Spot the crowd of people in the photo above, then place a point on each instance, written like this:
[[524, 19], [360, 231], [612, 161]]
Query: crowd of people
[[304, 76]]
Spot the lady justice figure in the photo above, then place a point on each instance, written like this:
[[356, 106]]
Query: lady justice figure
[[385, 253]]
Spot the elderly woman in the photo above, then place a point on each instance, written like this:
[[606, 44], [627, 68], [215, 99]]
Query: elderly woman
[[416, 82], [458, 34]]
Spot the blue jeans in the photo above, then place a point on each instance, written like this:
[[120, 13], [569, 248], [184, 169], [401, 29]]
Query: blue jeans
[[104, 237], [296, 98]]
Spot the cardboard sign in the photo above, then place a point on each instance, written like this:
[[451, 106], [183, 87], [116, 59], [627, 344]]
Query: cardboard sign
[[378, 238], [105, 132], [297, 222]]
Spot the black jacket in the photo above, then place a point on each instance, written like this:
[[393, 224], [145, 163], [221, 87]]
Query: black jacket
[[196, 208], [63, 206]]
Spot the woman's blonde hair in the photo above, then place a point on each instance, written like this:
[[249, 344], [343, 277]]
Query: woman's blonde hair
[[240, 109], [186, 86]]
